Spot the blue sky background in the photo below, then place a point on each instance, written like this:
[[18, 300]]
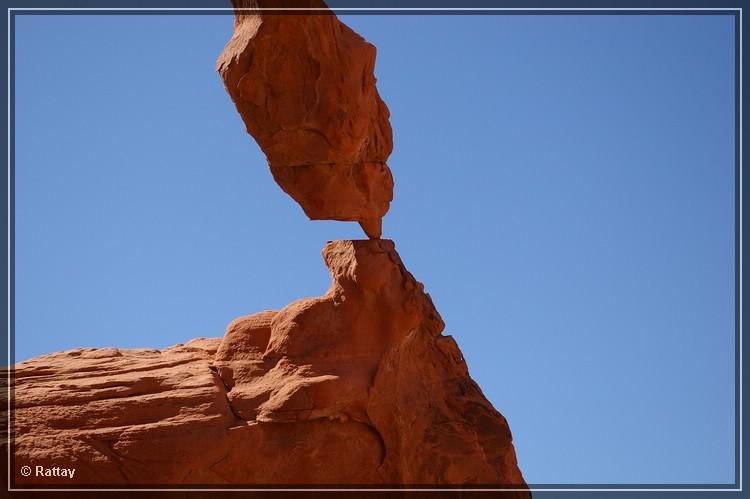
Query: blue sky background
[[564, 189]]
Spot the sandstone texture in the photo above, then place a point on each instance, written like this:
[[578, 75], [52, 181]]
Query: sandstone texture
[[304, 85], [355, 387]]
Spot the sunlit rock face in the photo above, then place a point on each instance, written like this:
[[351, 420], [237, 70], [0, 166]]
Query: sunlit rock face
[[358, 386], [305, 87]]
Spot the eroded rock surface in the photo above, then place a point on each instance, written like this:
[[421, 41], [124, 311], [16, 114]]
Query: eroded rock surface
[[357, 386], [305, 87]]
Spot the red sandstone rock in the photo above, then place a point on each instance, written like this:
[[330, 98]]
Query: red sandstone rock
[[355, 387], [305, 87]]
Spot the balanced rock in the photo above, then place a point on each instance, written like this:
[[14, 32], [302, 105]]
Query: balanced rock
[[304, 85], [357, 386]]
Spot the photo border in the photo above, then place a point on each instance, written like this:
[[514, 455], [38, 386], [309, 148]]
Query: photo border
[[736, 11]]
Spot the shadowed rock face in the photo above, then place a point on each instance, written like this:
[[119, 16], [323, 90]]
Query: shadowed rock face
[[357, 386], [305, 88]]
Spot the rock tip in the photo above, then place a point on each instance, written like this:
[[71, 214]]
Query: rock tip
[[373, 227]]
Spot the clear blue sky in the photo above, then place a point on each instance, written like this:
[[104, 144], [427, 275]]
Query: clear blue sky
[[564, 189]]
